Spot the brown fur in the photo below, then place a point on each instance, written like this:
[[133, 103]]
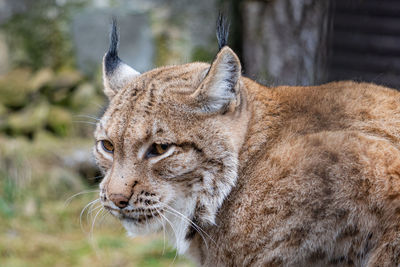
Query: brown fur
[[285, 176]]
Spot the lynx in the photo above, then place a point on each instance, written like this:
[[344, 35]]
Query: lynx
[[240, 174]]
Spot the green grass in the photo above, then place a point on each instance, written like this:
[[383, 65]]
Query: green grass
[[38, 227]]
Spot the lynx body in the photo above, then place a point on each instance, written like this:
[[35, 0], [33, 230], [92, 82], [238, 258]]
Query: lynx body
[[240, 174]]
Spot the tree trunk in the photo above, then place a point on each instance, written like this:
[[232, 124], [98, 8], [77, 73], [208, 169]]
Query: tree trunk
[[285, 41]]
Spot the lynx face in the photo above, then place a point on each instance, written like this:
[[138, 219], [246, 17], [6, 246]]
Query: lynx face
[[168, 143]]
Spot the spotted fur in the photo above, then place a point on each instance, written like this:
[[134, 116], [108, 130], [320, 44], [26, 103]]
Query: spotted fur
[[254, 176]]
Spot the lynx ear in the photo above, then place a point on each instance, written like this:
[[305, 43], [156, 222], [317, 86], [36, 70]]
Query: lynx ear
[[220, 86], [116, 74]]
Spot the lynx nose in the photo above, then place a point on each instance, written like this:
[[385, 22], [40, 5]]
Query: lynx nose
[[121, 201]]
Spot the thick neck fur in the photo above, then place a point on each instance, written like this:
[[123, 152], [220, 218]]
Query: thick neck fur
[[264, 112], [256, 134]]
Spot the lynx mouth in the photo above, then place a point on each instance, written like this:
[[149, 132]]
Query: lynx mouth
[[139, 219], [135, 215]]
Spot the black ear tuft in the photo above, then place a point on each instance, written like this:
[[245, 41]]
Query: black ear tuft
[[114, 39], [222, 31], [111, 59]]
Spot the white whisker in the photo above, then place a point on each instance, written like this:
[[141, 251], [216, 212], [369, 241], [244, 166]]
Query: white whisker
[[83, 211], [173, 229], [66, 203], [97, 104], [194, 225], [87, 116], [191, 224], [94, 221], [163, 226], [91, 210], [103, 216], [87, 122]]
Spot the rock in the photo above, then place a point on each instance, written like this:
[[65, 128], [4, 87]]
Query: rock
[[67, 78], [43, 138], [83, 95], [59, 120], [41, 78], [3, 110], [29, 119], [62, 85], [14, 88], [59, 95]]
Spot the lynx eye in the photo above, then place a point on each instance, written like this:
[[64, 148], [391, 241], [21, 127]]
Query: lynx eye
[[107, 146], [157, 150]]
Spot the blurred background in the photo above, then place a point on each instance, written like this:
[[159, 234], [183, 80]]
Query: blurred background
[[51, 97]]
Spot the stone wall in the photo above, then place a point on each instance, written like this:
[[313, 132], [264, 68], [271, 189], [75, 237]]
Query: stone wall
[[153, 32]]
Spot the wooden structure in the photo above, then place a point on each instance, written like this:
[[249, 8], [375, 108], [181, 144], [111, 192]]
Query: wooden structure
[[365, 42]]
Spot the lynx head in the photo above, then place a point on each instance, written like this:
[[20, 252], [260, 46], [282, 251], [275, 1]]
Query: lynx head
[[169, 140]]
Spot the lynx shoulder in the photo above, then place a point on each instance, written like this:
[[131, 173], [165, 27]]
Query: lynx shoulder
[[240, 174]]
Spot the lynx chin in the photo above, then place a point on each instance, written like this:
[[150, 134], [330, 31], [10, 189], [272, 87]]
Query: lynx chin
[[240, 174]]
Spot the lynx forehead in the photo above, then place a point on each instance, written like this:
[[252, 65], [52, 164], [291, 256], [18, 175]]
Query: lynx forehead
[[242, 174]]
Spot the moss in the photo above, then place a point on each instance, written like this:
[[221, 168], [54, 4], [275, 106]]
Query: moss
[[28, 120], [3, 111], [59, 121], [82, 96], [26, 98], [40, 37], [14, 88]]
